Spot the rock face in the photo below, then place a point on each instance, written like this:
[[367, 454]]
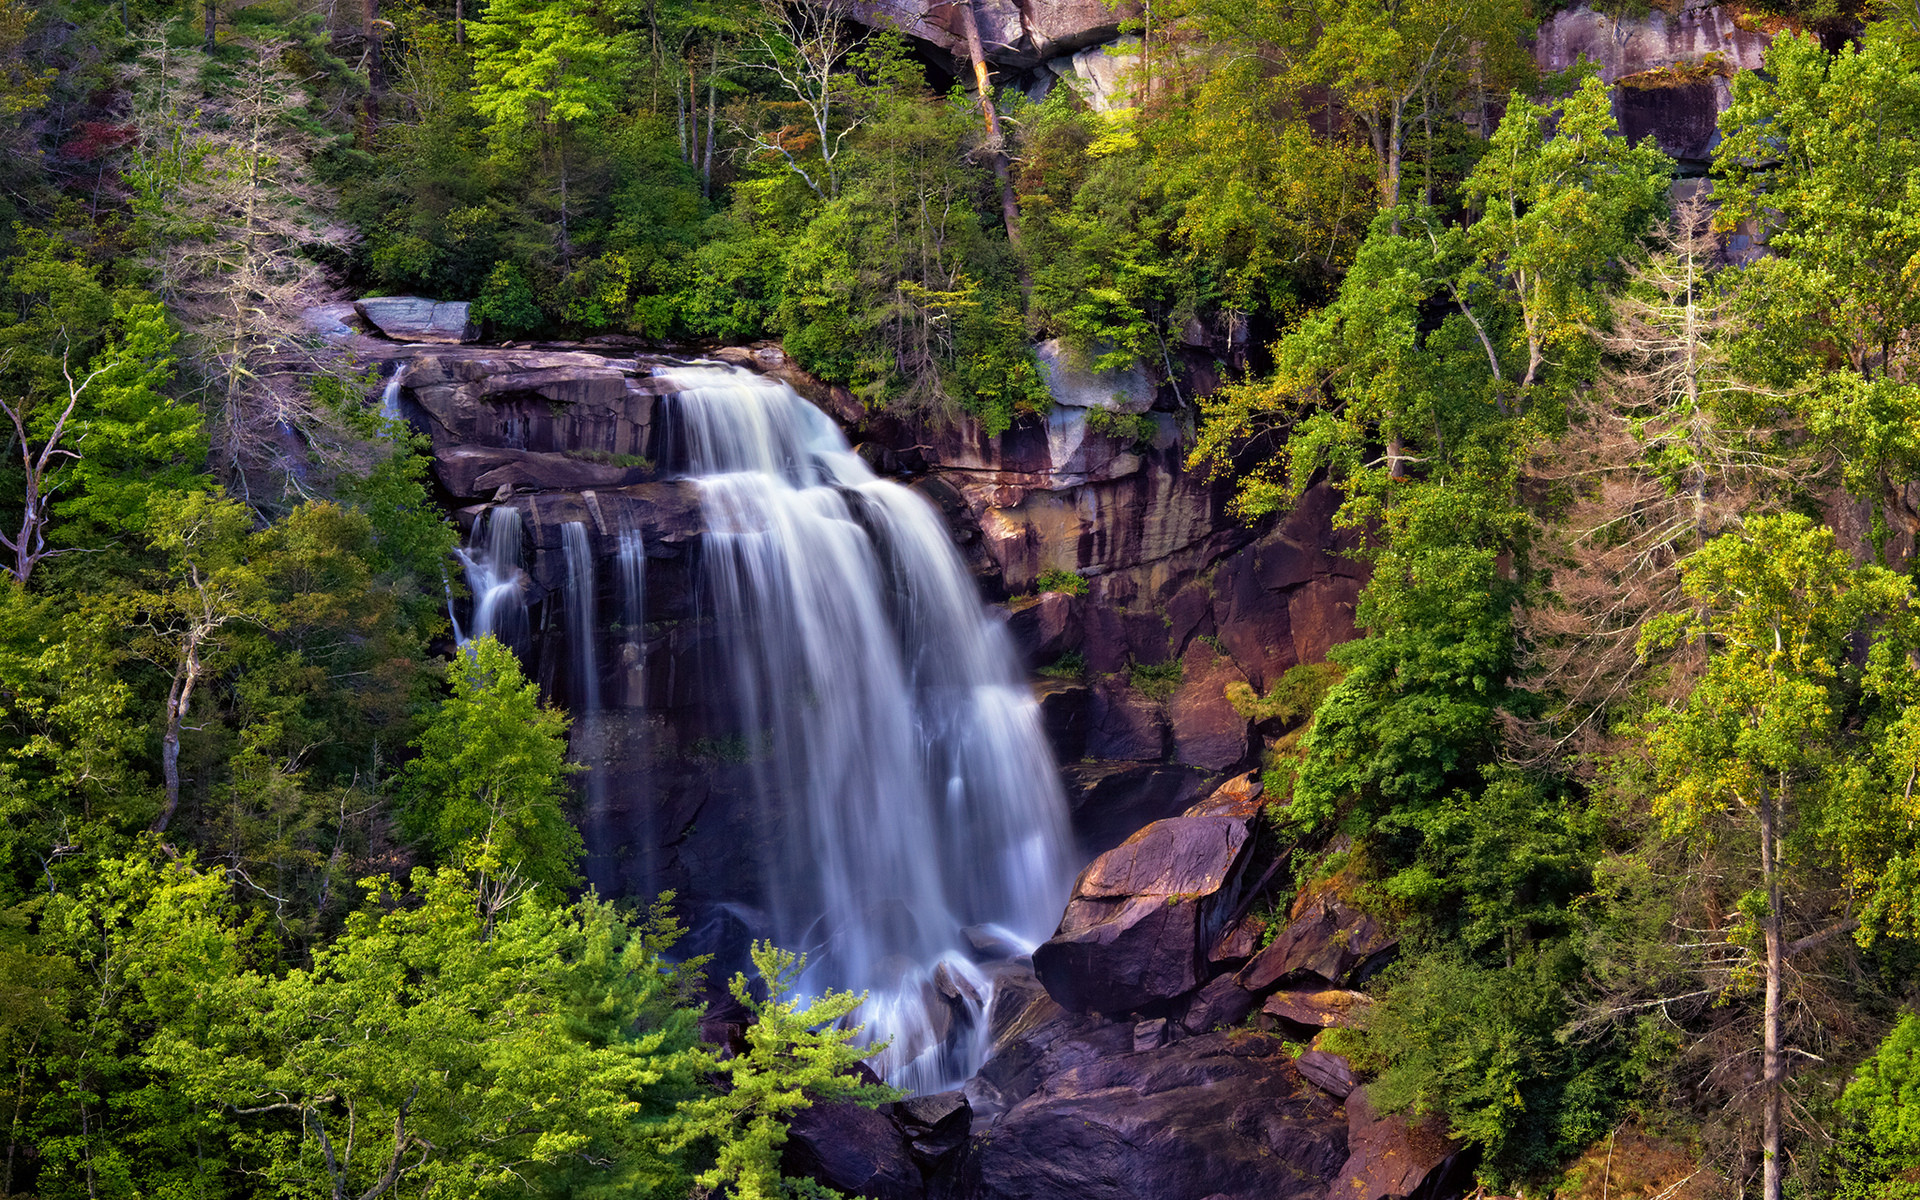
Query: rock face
[[1012, 34], [414, 319], [1224, 1115], [1669, 70], [1073, 384], [1143, 915]]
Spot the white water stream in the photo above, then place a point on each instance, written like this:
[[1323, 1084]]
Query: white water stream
[[884, 714]]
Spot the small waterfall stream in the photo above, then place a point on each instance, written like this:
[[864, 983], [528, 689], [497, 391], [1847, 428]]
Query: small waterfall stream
[[494, 577], [883, 712]]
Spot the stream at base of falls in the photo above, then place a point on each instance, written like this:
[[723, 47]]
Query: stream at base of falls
[[886, 724]]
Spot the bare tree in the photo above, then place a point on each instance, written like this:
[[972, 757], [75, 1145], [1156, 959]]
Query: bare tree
[[1670, 449], [802, 45], [235, 216], [40, 464]]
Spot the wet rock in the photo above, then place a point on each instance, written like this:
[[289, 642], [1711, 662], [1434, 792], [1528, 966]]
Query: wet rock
[[1125, 725], [854, 1150], [1320, 1008], [1149, 1035], [477, 472], [416, 319], [1329, 1072], [539, 401], [1207, 732], [1064, 715], [990, 943], [1220, 1115], [1222, 1004], [1143, 915], [1390, 1158], [936, 1126], [1110, 801], [1075, 384], [1328, 941]]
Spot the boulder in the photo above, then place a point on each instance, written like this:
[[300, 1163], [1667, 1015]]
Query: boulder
[[1045, 627], [540, 401], [1110, 801], [1239, 943], [1327, 941], [1207, 732], [854, 1150], [1124, 725], [1074, 384], [1237, 797], [1143, 915], [1390, 1158], [1320, 1008], [1222, 1004], [1223, 1115], [1329, 1072], [479, 472], [415, 319], [936, 1126]]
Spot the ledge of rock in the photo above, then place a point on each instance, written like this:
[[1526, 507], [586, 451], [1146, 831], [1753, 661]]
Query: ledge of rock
[[1328, 942], [1073, 384], [1224, 1115], [416, 319], [479, 472], [1391, 1158], [1144, 914]]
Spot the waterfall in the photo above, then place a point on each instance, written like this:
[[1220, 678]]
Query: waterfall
[[631, 559], [492, 564], [390, 395], [894, 744], [580, 602]]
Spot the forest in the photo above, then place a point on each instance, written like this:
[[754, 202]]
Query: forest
[[291, 896]]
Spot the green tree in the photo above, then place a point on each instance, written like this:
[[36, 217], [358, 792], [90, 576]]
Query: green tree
[[1760, 740], [798, 1051], [546, 67], [1822, 153], [489, 787], [432, 1050]]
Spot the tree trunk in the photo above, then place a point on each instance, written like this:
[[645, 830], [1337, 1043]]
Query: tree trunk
[[996, 150], [1773, 1060], [706, 160], [211, 15], [459, 22], [376, 76], [693, 114], [179, 702]]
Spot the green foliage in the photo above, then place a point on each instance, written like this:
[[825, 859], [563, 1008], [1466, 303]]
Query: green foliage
[[1071, 665], [1053, 579], [506, 302], [798, 1050], [1289, 701], [489, 787], [1155, 681], [1879, 1149]]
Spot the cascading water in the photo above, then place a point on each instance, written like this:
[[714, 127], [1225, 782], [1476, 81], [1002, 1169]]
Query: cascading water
[[882, 714], [390, 395], [589, 733], [631, 559], [492, 564]]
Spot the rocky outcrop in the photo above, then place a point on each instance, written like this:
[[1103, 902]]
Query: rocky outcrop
[[1327, 942], [414, 319], [1225, 1115], [1142, 916], [1392, 1158], [1012, 34]]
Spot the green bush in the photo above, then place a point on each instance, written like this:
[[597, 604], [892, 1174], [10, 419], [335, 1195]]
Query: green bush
[[1156, 681], [1053, 579]]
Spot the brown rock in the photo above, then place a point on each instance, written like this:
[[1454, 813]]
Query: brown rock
[[1223, 1115], [1064, 715], [1328, 941], [477, 472], [1125, 726], [1320, 616], [1390, 1158], [1222, 1004], [1329, 1072], [1237, 797], [1143, 914], [1111, 801], [1239, 943], [1207, 732], [1327, 1008], [854, 1150]]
